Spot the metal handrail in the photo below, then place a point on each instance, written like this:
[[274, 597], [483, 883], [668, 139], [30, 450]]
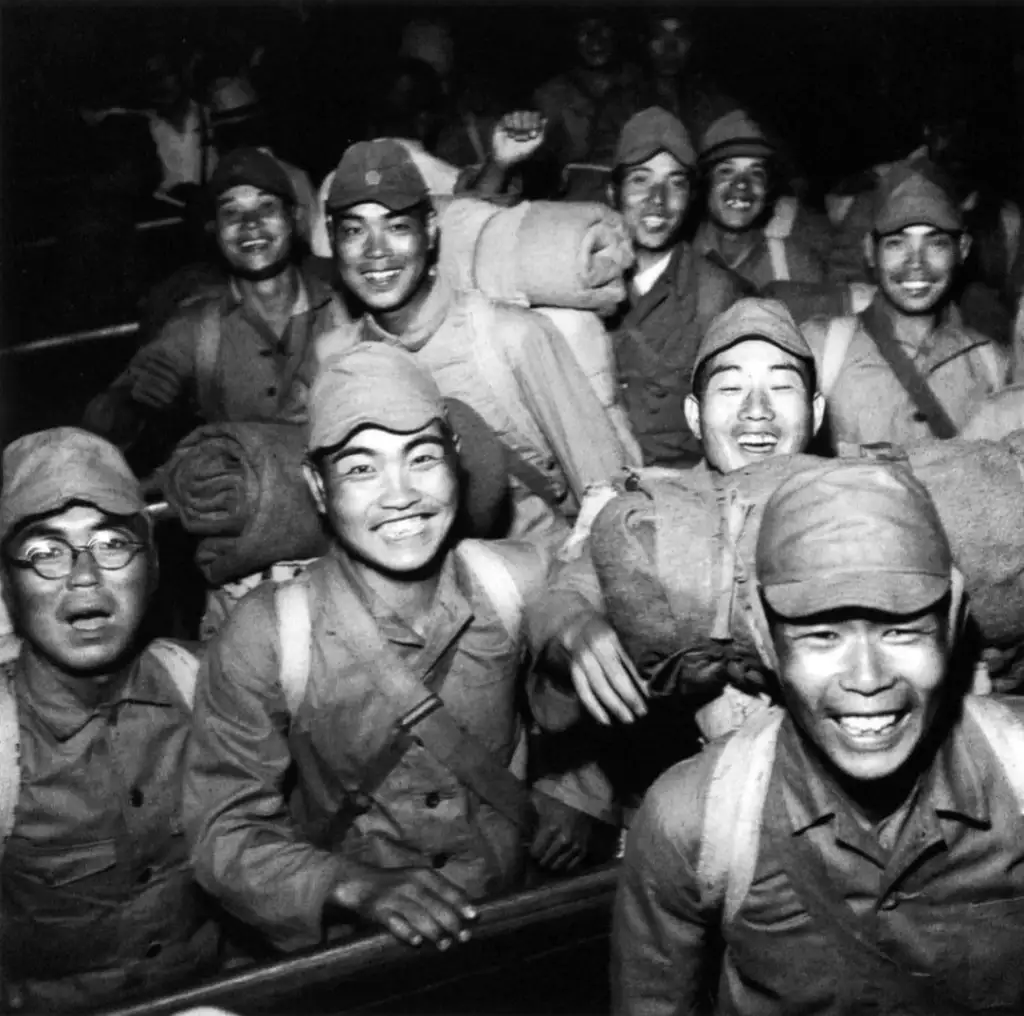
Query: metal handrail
[[590, 891], [72, 339], [140, 227]]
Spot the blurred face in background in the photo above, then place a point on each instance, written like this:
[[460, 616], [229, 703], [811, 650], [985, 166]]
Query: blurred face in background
[[653, 198], [669, 42], [595, 43]]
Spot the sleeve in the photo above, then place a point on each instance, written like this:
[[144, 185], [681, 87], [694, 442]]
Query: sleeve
[[534, 520], [114, 414], [564, 404], [660, 941], [246, 850]]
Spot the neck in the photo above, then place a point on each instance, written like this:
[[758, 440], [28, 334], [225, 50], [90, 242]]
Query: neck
[[410, 598], [91, 687], [399, 320], [274, 297], [597, 80], [732, 245], [912, 330], [648, 258]]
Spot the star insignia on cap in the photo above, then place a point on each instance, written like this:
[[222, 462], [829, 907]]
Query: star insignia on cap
[[372, 178]]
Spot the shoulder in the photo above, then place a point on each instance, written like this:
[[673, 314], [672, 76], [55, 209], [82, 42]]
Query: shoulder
[[192, 314], [526, 563], [336, 340]]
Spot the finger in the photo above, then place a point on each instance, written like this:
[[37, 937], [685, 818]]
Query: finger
[[421, 918], [556, 849], [402, 929], [541, 841], [618, 677], [603, 690], [448, 893], [581, 682]]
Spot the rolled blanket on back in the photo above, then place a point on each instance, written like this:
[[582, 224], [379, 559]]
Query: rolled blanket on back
[[675, 554], [239, 487], [537, 254], [997, 416]]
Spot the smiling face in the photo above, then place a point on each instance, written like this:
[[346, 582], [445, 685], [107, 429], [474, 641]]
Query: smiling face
[[254, 232], [753, 402], [383, 256], [84, 623], [737, 193], [653, 198], [917, 266], [865, 688], [391, 499]]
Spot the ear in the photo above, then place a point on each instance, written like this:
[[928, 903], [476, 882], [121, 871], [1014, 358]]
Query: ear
[[965, 246], [317, 489], [817, 412], [431, 225], [691, 407], [611, 195], [869, 250]]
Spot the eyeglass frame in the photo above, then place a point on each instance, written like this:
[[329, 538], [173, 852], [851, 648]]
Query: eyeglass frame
[[76, 552]]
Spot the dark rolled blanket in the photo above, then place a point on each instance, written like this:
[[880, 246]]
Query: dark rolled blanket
[[239, 487]]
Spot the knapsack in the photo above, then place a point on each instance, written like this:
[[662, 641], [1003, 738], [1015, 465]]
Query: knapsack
[[734, 808], [180, 665], [777, 232]]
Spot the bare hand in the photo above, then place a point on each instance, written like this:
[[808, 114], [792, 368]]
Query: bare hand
[[414, 904], [562, 839], [155, 380], [603, 674], [516, 137]]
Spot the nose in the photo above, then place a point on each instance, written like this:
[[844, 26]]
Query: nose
[[865, 672], [757, 405], [656, 195], [742, 186], [398, 492], [376, 246], [84, 569]]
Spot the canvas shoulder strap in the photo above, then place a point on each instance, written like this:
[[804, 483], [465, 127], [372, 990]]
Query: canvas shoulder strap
[[733, 813], [182, 667], [207, 354], [778, 230], [1004, 732], [499, 585], [1011, 221], [294, 640], [840, 334], [10, 753], [991, 365]]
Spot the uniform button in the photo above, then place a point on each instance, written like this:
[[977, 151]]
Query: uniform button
[[439, 860], [135, 797], [145, 875], [272, 390], [154, 950], [919, 417], [433, 799], [891, 902]]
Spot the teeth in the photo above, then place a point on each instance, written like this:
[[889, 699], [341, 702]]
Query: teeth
[[739, 205], [652, 222], [757, 441], [90, 623], [861, 726], [404, 528], [382, 278]]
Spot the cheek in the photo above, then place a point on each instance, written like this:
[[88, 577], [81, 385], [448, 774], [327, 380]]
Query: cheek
[[718, 415], [940, 263], [348, 505]]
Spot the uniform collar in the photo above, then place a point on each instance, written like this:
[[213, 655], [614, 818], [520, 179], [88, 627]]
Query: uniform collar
[[301, 305], [427, 321], [951, 787], [66, 705]]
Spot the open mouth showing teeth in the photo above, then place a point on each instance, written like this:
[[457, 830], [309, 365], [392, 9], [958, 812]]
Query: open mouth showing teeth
[[739, 205], [251, 246], [88, 620], [382, 279], [874, 725], [654, 222], [403, 529], [758, 443]]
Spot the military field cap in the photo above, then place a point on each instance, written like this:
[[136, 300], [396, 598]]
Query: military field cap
[[852, 535], [252, 167], [50, 469], [373, 384], [912, 194], [733, 135], [650, 131], [381, 171], [753, 318]]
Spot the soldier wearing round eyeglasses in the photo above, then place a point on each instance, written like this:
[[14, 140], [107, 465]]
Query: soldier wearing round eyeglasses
[[98, 901]]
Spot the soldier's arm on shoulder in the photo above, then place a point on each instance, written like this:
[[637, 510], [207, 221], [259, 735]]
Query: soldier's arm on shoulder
[[246, 850], [660, 928], [562, 401]]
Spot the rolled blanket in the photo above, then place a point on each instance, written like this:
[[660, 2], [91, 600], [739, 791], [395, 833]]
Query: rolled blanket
[[997, 416], [538, 254], [239, 486], [675, 556]]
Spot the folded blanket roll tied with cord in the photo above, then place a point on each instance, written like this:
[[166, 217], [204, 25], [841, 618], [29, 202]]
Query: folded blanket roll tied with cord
[[674, 555]]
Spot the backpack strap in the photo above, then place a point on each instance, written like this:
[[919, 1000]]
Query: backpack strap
[[991, 365], [1010, 219], [207, 354], [491, 570], [182, 667], [733, 813], [1004, 731], [776, 232], [10, 753], [294, 637], [837, 343]]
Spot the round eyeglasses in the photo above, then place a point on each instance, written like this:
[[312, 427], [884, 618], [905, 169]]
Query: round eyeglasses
[[55, 558]]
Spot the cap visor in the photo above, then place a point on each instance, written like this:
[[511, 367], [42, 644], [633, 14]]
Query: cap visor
[[886, 592]]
